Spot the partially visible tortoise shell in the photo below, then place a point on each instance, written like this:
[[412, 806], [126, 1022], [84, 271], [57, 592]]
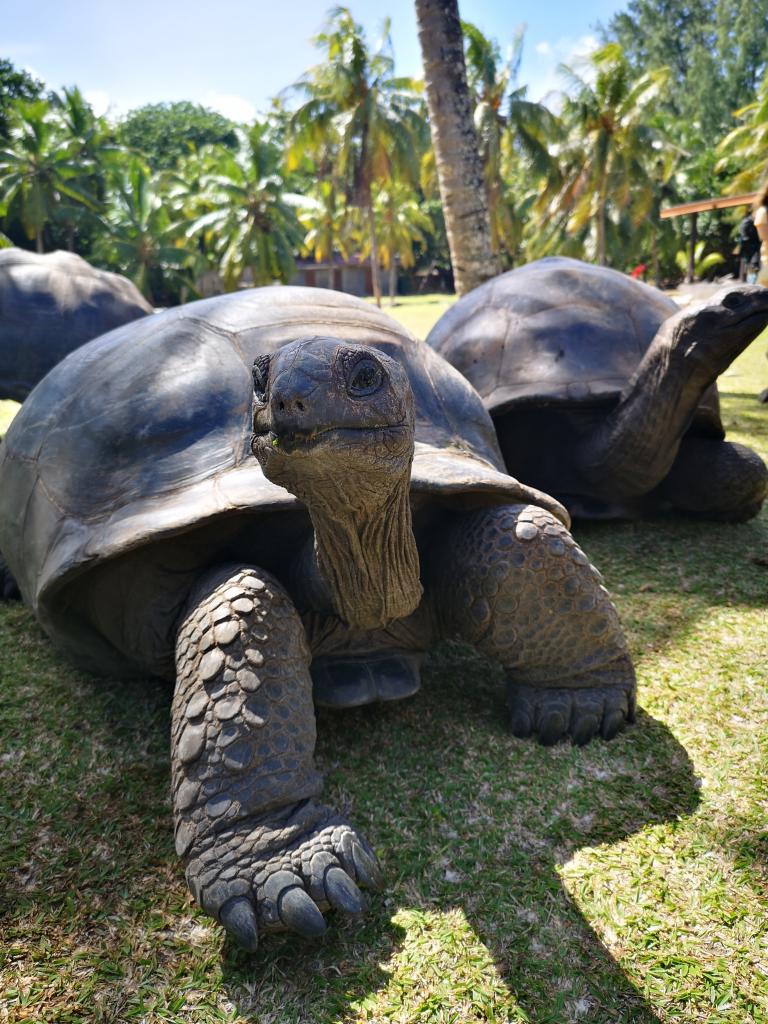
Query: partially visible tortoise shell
[[555, 331], [51, 304], [145, 433]]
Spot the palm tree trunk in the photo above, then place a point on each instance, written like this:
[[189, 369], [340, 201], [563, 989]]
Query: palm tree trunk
[[459, 168], [376, 284], [392, 280], [601, 230], [692, 249], [39, 240]]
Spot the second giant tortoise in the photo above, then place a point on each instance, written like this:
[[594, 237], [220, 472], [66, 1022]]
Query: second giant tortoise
[[375, 520], [603, 391], [51, 304]]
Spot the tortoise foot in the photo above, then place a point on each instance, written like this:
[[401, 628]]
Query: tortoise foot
[[282, 872], [557, 713], [354, 681]]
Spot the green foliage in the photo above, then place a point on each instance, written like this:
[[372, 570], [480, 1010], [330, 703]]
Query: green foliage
[[701, 263], [164, 132], [241, 213], [745, 149], [14, 85]]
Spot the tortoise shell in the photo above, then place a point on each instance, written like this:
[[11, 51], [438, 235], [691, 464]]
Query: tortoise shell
[[51, 304], [143, 435], [555, 331]]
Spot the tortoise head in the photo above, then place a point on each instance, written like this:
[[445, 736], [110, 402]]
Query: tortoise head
[[714, 332], [334, 424]]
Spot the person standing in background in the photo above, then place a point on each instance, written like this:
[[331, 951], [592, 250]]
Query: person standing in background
[[760, 217]]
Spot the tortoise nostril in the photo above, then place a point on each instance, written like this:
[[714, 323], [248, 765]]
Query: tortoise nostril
[[281, 406], [300, 406]]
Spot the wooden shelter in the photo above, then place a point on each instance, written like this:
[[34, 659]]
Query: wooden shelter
[[697, 206]]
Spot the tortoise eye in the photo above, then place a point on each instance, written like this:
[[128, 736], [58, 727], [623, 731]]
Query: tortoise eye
[[260, 377], [365, 377]]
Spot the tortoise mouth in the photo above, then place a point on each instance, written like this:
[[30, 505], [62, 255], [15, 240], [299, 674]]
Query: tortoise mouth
[[390, 437]]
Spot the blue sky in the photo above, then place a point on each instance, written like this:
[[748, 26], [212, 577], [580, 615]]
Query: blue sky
[[233, 55]]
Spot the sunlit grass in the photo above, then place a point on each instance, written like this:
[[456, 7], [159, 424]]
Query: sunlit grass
[[622, 882]]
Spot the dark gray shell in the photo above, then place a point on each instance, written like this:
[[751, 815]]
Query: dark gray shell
[[51, 304], [556, 330], [144, 434]]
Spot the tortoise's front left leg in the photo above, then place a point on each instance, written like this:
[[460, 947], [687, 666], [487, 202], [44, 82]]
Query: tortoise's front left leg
[[261, 853], [513, 582]]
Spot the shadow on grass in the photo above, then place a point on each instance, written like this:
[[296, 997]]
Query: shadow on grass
[[468, 821]]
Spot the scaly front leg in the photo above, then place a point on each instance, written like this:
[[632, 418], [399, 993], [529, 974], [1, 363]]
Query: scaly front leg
[[512, 581], [261, 853]]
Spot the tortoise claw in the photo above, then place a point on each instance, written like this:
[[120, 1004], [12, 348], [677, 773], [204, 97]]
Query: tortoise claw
[[342, 893], [239, 920], [299, 912]]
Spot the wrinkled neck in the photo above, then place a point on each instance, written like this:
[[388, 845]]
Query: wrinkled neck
[[365, 548]]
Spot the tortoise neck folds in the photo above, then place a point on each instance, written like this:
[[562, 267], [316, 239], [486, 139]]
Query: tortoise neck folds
[[334, 425], [364, 544]]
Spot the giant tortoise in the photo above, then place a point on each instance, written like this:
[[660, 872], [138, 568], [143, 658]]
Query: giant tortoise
[[51, 304], [603, 391], [375, 520]]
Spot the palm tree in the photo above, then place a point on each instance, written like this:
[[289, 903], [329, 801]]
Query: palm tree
[[354, 98], [459, 167], [511, 130], [605, 164], [245, 217], [401, 223], [746, 147], [326, 219], [143, 240], [38, 170]]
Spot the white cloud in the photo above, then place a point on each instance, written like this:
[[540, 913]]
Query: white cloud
[[540, 71], [99, 101], [236, 108]]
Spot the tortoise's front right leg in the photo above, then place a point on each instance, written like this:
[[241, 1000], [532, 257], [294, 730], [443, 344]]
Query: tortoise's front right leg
[[512, 581], [261, 854]]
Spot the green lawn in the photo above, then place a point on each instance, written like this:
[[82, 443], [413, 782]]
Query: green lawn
[[623, 882]]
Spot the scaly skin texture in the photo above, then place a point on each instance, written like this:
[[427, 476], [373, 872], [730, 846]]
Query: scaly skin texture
[[260, 853], [636, 447], [716, 480], [513, 582]]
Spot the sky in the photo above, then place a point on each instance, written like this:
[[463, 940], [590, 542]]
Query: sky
[[234, 55]]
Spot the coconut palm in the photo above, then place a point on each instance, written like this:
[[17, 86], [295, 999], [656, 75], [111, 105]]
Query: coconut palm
[[510, 128], [248, 219], [354, 98], [459, 167], [40, 170], [401, 224], [142, 240], [746, 147], [325, 217], [604, 164]]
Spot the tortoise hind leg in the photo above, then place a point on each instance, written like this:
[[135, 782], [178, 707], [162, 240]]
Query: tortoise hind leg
[[513, 582], [261, 853], [714, 479]]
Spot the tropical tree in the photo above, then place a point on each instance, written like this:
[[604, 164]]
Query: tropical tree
[[701, 263], [511, 130], [244, 215], [165, 132], [459, 167], [325, 216], [15, 85], [604, 165], [39, 170], [401, 224], [745, 148], [142, 240], [354, 98]]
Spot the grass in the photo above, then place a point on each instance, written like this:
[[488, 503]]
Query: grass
[[623, 883]]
